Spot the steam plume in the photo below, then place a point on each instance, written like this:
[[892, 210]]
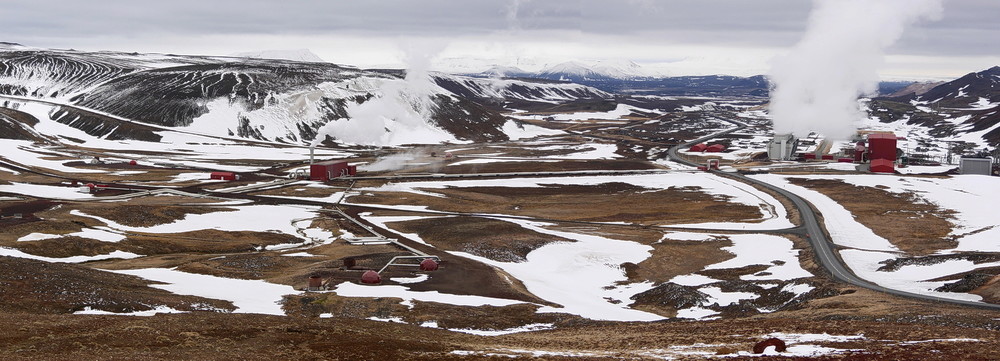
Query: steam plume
[[817, 85], [401, 113]]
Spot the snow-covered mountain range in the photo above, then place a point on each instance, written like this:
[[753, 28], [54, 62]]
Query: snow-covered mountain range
[[264, 99]]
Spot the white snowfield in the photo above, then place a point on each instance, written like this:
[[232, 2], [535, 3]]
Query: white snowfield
[[10, 252], [36, 190], [256, 218], [25, 153], [579, 276], [521, 131], [971, 197], [778, 253], [348, 289], [620, 111], [249, 296], [175, 147]]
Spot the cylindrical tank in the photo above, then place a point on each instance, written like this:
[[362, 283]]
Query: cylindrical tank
[[315, 282], [428, 265], [371, 277]]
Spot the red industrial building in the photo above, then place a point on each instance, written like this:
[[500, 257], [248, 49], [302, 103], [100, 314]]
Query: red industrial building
[[324, 171], [700, 147], [882, 146], [882, 166], [229, 176], [882, 152]]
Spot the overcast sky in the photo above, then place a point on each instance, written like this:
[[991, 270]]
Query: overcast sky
[[681, 36]]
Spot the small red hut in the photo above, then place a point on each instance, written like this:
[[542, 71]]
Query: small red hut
[[227, 176]]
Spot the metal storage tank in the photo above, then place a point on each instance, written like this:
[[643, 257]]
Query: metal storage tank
[[715, 148], [782, 147], [428, 265], [371, 277], [315, 283], [975, 166]]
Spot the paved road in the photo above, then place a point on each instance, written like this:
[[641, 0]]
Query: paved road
[[814, 232]]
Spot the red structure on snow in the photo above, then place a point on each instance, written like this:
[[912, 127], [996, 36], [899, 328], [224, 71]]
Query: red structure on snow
[[882, 146], [882, 152], [324, 171], [229, 176], [700, 147], [882, 166], [715, 148]]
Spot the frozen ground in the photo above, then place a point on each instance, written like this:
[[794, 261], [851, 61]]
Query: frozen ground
[[579, 275], [748, 250], [257, 218], [249, 296], [970, 196]]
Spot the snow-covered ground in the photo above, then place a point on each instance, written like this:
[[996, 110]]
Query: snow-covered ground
[[175, 147], [45, 191], [747, 249], [10, 252], [257, 218], [580, 275], [975, 226], [348, 289], [249, 296], [620, 111]]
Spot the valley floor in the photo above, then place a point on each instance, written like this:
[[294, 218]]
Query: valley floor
[[579, 243]]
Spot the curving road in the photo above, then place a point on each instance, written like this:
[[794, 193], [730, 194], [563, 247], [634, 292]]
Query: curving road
[[814, 232]]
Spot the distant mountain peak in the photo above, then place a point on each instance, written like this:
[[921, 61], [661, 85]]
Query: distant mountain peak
[[605, 69], [304, 55], [502, 71]]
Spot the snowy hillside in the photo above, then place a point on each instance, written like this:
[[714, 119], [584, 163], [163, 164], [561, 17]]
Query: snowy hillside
[[966, 109], [262, 99]]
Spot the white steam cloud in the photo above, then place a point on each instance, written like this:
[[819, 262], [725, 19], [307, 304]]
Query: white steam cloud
[[817, 85], [391, 162], [401, 113]]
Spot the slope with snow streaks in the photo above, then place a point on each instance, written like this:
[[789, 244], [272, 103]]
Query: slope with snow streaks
[[479, 88], [966, 108], [262, 99], [175, 96], [51, 74]]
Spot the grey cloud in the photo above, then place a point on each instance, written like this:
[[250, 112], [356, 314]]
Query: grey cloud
[[967, 28]]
